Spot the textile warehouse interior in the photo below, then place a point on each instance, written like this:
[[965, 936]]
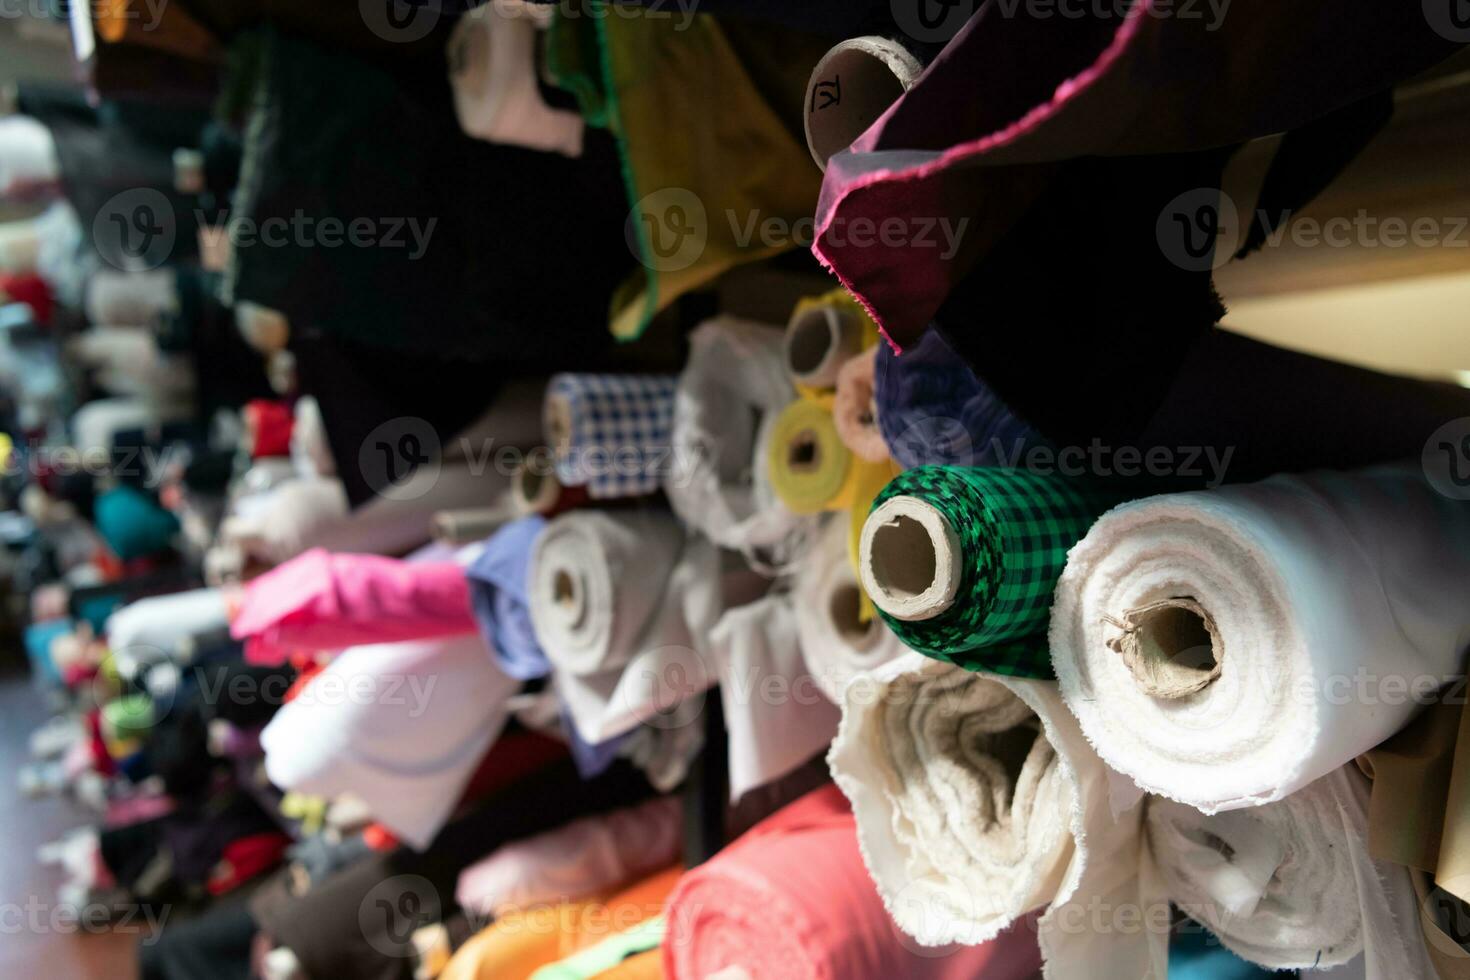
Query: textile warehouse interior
[[734, 490]]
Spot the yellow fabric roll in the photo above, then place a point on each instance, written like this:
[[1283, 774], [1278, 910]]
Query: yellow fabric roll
[[520, 943], [862, 335]]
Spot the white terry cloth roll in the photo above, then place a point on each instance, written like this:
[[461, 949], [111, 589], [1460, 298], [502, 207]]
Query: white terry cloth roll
[[492, 69], [402, 726], [776, 715], [835, 641], [728, 398], [1290, 885], [28, 161], [623, 603], [1310, 606], [977, 802], [164, 623], [129, 299], [585, 857]]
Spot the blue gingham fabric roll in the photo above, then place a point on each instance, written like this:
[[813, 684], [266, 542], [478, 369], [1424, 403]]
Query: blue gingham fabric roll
[[612, 433]]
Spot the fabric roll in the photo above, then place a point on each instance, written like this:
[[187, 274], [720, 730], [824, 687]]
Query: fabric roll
[[500, 594], [460, 527], [622, 603], [1419, 814], [1440, 919], [611, 433], [288, 520], [776, 716], [855, 412], [326, 601], [29, 165], [408, 744], [1226, 648], [20, 245], [132, 523], [934, 411], [1290, 884], [268, 426], [978, 802], [129, 299], [727, 402], [838, 641], [823, 334], [590, 856], [165, 623], [851, 87], [492, 56], [536, 490], [595, 961], [791, 898], [32, 290], [1194, 954], [961, 562]]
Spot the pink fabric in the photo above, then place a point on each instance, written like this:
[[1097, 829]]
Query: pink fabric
[[976, 138], [792, 898], [326, 601]]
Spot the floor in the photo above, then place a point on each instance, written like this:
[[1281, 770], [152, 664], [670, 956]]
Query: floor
[[30, 946]]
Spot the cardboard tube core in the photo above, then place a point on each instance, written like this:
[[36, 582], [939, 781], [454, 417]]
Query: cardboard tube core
[[570, 596], [819, 340], [534, 490], [804, 452], [910, 559], [1171, 647], [850, 88], [844, 608], [559, 424]]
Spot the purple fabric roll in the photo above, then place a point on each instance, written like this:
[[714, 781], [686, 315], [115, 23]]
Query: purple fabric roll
[[934, 411], [498, 595]]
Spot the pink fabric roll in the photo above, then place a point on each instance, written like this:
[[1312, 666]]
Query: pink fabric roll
[[326, 601], [791, 898], [854, 412]]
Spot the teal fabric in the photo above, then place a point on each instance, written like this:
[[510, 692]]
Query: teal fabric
[[1195, 954], [133, 524]]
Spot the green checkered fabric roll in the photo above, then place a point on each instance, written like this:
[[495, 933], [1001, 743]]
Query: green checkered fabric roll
[[1015, 528]]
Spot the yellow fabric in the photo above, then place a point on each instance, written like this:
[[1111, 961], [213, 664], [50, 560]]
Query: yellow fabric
[[699, 200], [844, 302], [1450, 960]]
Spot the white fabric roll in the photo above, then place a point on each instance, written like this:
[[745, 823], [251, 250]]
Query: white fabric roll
[[281, 523], [728, 398], [978, 801], [402, 726], [1290, 884], [162, 623], [492, 69], [28, 160], [20, 245], [1330, 597], [587, 856], [129, 362], [623, 603], [95, 425], [130, 299], [776, 716], [837, 645], [310, 451]]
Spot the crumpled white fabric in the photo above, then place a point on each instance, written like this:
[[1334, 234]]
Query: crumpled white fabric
[[155, 627], [1333, 596], [1290, 884], [978, 801], [727, 401], [492, 69], [776, 716], [585, 857], [28, 160], [836, 644], [402, 726]]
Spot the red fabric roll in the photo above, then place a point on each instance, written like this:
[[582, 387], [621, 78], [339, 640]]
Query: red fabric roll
[[791, 898], [32, 290], [271, 423], [326, 601]]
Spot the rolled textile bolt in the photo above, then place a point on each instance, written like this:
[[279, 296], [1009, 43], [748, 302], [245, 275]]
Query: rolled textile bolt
[[909, 559], [458, 527], [558, 420], [850, 88], [534, 489], [819, 341], [20, 246], [1171, 646], [263, 328]]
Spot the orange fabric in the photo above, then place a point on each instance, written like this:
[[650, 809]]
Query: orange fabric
[[517, 945], [633, 905], [644, 966]]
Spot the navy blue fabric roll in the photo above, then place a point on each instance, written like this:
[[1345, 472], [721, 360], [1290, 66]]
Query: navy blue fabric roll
[[934, 411]]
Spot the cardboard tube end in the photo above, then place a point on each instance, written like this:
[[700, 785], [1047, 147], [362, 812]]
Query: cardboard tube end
[[1172, 647], [850, 88], [910, 559]]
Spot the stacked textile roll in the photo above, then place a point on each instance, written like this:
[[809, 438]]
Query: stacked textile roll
[[611, 434], [978, 802], [1227, 648], [725, 413]]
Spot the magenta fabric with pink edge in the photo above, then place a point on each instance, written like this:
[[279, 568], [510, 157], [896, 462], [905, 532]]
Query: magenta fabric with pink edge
[[792, 898], [1012, 95], [325, 601]]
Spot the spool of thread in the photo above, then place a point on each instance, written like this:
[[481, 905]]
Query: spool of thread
[[823, 334], [850, 88], [534, 489], [962, 563]]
